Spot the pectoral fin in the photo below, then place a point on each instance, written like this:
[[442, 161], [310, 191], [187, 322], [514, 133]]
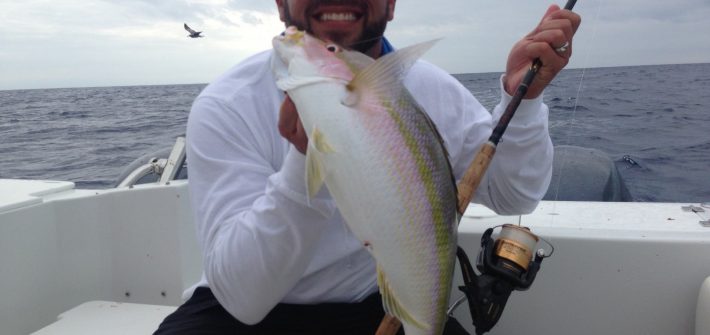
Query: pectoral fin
[[320, 142], [392, 305], [315, 173]]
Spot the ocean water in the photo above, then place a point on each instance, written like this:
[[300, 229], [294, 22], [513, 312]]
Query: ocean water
[[653, 121]]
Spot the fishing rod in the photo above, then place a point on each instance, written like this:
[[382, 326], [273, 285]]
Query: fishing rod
[[472, 178], [466, 188]]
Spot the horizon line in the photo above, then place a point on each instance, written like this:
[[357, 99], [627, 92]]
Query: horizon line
[[207, 83]]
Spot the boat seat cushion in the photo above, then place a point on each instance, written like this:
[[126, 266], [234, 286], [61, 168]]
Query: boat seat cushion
[[585, 174]]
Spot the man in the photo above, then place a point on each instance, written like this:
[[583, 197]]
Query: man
[[278, 263]]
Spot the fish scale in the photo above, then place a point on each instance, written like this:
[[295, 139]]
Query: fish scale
[[385, 165]]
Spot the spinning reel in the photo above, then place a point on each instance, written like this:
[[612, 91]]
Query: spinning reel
[[504, 264]]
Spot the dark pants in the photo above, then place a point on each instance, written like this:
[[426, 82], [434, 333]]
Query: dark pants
[[202, 314]]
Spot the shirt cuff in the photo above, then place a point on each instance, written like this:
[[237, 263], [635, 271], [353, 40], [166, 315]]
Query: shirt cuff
[[293, 171], [528, 111]]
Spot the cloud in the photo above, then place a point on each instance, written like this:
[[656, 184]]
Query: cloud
[[107, 42], [658, 11], [100, 42], [477, 36], [251, 19], [262, 6]]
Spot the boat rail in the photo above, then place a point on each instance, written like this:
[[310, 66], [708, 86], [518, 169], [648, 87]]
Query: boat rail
[[167, 169]]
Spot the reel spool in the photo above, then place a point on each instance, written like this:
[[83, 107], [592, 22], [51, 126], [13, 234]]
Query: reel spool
[[514, 248]]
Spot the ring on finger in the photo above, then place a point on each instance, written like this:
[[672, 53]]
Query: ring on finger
[[563, 48]]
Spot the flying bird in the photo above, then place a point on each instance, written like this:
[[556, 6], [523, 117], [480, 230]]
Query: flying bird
[[193, 34]]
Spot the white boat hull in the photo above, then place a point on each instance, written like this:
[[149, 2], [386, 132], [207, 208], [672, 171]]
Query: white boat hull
[[618, 268]]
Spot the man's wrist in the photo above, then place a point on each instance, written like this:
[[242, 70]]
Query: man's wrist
[[293, 170]]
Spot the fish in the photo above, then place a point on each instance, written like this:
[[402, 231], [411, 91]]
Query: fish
[[384, 163]]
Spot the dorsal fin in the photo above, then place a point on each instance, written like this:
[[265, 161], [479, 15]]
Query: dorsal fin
[[387, 72], [357, 61]]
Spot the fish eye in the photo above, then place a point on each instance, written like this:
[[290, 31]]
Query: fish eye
[[332, 48]]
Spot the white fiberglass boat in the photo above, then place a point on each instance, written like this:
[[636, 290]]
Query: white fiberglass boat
[[116, 261]]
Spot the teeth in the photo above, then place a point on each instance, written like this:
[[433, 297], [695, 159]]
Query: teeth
[[337, 17]]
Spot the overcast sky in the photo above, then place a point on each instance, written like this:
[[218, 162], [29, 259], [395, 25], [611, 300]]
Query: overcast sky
[[80, 43]]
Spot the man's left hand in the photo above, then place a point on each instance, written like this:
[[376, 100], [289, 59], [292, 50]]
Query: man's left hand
[[556, 30]]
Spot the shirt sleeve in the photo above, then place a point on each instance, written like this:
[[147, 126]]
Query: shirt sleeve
[[255, 223], [520, 171]]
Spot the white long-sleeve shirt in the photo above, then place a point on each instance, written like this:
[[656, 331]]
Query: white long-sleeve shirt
[[263, 242]]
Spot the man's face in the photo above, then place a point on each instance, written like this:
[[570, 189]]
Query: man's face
[[354, 24]]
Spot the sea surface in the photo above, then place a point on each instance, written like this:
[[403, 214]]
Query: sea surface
[[653, 121]]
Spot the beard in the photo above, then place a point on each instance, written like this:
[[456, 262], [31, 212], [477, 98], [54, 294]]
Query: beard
[[371, 34]]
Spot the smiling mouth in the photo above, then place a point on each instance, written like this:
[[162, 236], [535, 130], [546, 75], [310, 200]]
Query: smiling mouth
[[340, 17]]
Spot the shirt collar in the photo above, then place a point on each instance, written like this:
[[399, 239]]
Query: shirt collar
[[386, 47]]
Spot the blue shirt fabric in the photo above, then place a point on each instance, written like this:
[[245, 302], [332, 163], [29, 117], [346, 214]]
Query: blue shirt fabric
[[386, 46]]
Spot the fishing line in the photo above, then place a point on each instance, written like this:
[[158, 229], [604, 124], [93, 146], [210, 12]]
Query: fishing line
[[574, 108], [351, 45]]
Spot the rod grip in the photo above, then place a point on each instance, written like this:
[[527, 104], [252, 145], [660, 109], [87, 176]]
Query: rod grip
[[388, 326], [469, 183]]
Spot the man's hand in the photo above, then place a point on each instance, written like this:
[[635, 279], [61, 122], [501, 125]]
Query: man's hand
[[290, 126], [557, 28]]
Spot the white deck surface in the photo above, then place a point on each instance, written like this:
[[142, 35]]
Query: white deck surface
[[17, 193], [108, 318]]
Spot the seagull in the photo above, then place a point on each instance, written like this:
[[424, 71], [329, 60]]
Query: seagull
[[193, 34]]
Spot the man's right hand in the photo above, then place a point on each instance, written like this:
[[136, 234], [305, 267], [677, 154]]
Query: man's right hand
[[290, 126]]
